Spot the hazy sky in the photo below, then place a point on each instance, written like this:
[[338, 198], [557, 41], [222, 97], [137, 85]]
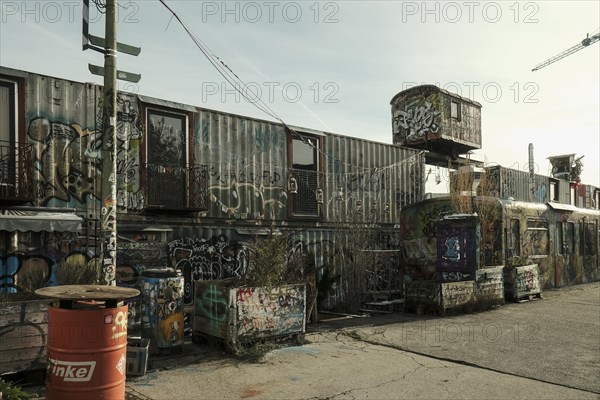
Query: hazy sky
[[335, 65]]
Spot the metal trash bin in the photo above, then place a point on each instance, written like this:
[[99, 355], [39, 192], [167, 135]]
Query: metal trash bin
[[87, 341], [162, 309]]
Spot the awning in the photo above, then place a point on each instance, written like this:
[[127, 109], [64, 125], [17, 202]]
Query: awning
[[562, 207], [37, 221]]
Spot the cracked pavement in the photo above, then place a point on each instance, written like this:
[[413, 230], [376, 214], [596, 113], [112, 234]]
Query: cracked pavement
[[547, 349]]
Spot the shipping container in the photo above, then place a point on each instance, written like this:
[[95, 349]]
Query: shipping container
[[429, 118]]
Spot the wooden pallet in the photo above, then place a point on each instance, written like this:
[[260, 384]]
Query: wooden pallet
[[529, 297], [385, 307]]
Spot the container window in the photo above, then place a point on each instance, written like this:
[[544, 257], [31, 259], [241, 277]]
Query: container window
[[537, 237], [589, 238], [515, 236], [455, 110], [305, 171], [570, 239], [560, 240], [554, 195], [166, 158], [7, 139]]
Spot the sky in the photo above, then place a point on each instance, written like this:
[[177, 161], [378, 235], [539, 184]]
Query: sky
[[335, 65]]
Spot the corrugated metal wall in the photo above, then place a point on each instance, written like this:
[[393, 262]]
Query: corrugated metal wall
[[368, 181], [246, 162], [514, 183], [61, 123], [248, 172]]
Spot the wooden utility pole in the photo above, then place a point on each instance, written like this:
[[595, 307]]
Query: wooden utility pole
[[108, 224], [109, 47]]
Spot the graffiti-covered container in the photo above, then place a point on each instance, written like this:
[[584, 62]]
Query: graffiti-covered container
[[87, 350], [430, 118], [458, 238], [162, 308]]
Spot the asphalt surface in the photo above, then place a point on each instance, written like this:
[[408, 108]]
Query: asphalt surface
[[543, 349]]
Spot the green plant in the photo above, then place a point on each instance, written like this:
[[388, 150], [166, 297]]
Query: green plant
[[77, 271], [465, 200], [34, 279], [268, 262], [10, 391]]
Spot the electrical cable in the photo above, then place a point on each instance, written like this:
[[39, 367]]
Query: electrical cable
[[234, 80]]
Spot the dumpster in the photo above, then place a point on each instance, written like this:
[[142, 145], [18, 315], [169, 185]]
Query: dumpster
[[87, 341], [162, 309]]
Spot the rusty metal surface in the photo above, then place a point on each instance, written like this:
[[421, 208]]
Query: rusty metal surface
[[423, 117], [508, 182]]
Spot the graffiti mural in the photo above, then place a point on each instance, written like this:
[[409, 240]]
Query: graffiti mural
[[162, 308], [244, 313], [65, 163], [417, 119], [277, 311], [26, 272], [207, 259], [457, 249]]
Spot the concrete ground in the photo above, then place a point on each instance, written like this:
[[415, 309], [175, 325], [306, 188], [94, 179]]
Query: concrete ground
[[544, 349]]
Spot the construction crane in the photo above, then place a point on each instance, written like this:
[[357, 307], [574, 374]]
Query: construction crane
[[584, 43]]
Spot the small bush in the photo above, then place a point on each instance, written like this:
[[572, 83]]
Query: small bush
[[77, 271], [10, 391]]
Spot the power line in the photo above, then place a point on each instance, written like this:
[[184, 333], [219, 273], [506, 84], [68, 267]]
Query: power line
[[234, 80]]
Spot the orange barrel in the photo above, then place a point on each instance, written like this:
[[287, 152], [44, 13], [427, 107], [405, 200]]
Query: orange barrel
[[162, 309], [87, 349]]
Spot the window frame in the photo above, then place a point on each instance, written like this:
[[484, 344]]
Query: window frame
[[16, 140], [458, 115], [295, 211], [535, 227], [188, 151], [554, 194]]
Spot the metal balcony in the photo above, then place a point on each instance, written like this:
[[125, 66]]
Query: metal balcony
[[172, 188], [16, 173]]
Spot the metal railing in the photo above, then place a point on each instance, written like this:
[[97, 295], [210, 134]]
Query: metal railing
[[16, 173], [173, 188]]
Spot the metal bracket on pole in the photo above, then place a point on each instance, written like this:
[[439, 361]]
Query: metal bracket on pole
[[97, 43], [122, 75]]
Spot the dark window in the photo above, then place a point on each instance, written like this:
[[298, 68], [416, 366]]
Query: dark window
[[166, 159], [515, 236], [455, 110], [554, 195], [570, 237], [596, 201], [589, 240], [7, 139], [305, 165], [560, 240]]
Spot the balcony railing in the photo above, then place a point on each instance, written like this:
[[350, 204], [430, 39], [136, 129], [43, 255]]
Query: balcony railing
[[174, 188], [16, 173]]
